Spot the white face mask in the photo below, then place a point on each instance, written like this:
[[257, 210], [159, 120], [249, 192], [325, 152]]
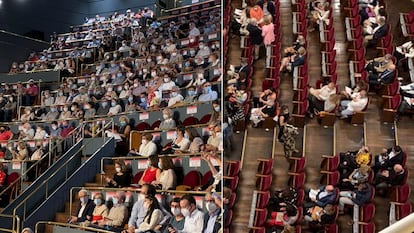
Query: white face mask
[[118, 169], [144, 142], [165, 116], [211, 207], [175, 211], [185, 212]]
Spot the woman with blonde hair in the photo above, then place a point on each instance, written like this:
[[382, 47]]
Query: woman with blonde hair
[[358, 176], [268, 34]]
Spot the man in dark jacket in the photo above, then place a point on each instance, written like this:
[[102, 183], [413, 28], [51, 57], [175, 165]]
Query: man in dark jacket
[[388, 158], [379, 32], [212, 217], [389, 178], [255, 35], [325, 195], [85, 208], [358, 197]]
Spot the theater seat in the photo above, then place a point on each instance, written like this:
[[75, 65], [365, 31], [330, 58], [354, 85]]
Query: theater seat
[[205, 119], [142, 126], [137, 177], [190, 181], [190, 121]]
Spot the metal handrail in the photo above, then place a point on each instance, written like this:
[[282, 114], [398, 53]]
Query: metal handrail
[[188, 13], [16, 222], [45, 182], [189, 6], [35, 165], [69, 225]]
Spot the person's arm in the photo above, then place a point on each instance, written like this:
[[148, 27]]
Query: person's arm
[[133, 218], [157, 214], [141, 181]]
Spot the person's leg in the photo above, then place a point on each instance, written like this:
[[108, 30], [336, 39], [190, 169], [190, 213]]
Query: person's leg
[[256, 51], [284, 63], [344, 201]]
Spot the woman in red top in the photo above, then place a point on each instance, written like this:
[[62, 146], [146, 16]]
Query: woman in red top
[[152, 172], [5, 133]]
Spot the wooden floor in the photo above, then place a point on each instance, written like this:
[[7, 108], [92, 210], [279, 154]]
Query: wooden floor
[[259, 143]]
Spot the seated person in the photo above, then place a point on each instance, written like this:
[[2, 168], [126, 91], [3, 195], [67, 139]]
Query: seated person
[[289, 216], [351, 160], [359, 197], [168, 121], [289, 63], [405, 50], [320, 14], [85, 209], [349, 93], [215, 139], [389, 178], [177, 222], [100, 212], [290, 51], [377, 33], [207, 94], [21, 152], [407, 90], [179, 144], [318, 97], [359, 175], [281, 198], [117, 215], [152, 172], [235, 72], [153, 217], [194, 218], [147, 147], [407, 105], [357, 104], [386, 77], [211, 217], [321, 197], [28, 115], [268, 110], [175, 97], [320, 215], [388, 158], [53, 114], [167, 179], [122, 178]]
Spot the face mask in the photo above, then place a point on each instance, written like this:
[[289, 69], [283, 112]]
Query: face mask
[[53, 109], [97, 201], [72, 109], [126, 87], [200, 76], [84, 199], [112, 65], [166, 80], [185, 212], [144, 70], [135, 84], [104, 104], [211, 207], [143, 100], [47, 96], [144, 142], [207, 89], [54, 127], [118, 169], [65, 109], [174, 54], [165, 116], [217, 109], [153, 73], [60, 94], [122, 123], [110, 89], [149, 60], [130, 99], [175, 211], [174, 94], [159, 164], [115, 200], [113, 104]]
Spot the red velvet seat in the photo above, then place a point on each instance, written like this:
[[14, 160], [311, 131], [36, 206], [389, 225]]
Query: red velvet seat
[[265, 166], [229, 218], [142, 126], [367, 227], [233, 168], [366, 212], [296, 164], [330, 163], [232, 200], [331, 228], [297, 180], [263, 182], [190, 121], [156, 124], [403, 210], [137, 177], [262, 199], [231, 182], [205, 119], [206, 177], [191, 180], [330, 178], [260, 217]]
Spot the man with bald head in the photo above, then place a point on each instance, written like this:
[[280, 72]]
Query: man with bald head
[[389, 178], [321, 197], [85, 208]]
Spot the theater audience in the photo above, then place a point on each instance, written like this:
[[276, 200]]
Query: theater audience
[[212, 223], [176, 223], [388, 158], [194, 218], [117, 215], [321, 197], [389, 177], [168, 121]]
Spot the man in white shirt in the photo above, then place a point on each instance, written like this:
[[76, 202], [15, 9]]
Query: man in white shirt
[[85, 209], [211, 218], [194, 218], [357, 104], [175, 96]]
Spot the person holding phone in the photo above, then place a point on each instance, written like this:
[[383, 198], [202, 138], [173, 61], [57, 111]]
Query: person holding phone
[[176, 223]]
